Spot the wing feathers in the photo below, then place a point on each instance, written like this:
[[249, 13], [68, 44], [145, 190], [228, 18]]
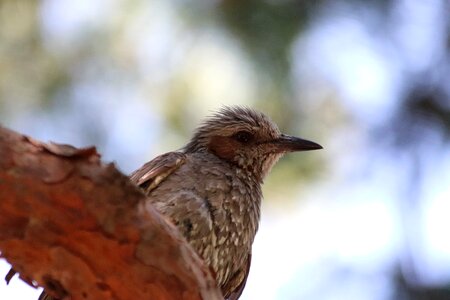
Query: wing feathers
[[155, 171]]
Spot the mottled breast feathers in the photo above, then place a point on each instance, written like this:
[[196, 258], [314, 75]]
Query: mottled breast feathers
[[236, 285], [150, 176]]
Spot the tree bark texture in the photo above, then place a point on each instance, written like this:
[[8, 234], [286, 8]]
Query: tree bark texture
[[81, 230]]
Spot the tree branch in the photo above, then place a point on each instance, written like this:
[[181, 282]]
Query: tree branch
[[79, 228]]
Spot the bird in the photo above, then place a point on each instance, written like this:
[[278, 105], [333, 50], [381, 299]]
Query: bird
[[211, 188]]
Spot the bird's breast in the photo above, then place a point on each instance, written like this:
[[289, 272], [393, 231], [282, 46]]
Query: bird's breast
[[215, 209]]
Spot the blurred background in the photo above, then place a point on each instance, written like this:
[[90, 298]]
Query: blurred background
[[366, 218]]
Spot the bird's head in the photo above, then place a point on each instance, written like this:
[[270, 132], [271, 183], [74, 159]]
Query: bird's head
[[247, 139]]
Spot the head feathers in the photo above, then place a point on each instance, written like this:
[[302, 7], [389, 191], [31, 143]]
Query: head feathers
[[227, 121]]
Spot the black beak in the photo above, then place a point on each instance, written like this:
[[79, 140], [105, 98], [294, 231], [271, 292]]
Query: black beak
[[287, 143]]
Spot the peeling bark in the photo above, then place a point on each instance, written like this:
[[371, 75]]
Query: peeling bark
[[79, 228]]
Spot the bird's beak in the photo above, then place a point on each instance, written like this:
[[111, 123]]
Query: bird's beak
[[287, 143]]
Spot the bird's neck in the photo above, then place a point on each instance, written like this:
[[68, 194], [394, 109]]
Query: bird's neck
[[251, 201], [255, 170], [246, 193]]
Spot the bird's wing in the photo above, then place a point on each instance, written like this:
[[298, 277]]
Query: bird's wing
[[239, 279], [155, 171]]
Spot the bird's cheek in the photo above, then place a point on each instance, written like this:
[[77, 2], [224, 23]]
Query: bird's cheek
[[223, 147]]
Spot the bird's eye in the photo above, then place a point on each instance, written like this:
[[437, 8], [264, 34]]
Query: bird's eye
[[243, 136]]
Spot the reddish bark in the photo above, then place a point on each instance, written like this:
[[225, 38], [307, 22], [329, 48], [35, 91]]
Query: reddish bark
[[78, 228]]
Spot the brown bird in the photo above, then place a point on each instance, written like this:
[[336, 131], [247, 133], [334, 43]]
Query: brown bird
[[211, 188]]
